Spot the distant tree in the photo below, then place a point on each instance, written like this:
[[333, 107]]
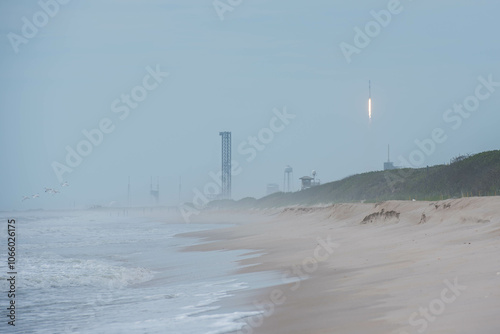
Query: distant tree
[[459, 158]]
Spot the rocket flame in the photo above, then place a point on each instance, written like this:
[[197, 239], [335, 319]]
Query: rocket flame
[[370, 108], [370, 100]]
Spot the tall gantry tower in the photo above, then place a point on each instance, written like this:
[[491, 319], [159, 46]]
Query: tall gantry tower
[[226, 165]]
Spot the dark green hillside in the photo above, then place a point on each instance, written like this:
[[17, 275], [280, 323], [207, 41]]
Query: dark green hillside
[[476, 175]]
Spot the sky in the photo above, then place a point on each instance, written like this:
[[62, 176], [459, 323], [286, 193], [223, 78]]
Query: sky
[[153, 82]]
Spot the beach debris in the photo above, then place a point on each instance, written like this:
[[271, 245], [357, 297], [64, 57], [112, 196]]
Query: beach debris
[[382, 215]]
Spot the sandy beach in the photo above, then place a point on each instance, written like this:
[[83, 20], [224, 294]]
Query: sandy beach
[[392, 267]]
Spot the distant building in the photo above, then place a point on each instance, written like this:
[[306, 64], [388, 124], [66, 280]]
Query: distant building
[[288, 179], [389, 165], [272, 188], [308, 182]]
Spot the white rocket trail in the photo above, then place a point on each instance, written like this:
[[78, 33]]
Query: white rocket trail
[[370, 100]]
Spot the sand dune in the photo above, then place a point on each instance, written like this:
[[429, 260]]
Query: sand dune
[[391, 267]]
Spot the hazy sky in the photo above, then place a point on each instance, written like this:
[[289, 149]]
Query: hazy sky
[[229, 75]]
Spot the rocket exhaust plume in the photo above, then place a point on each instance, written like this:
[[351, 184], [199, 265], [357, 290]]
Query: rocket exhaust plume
[[369, 100]]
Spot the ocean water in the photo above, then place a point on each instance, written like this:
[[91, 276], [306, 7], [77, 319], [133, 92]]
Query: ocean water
[[93, 272]]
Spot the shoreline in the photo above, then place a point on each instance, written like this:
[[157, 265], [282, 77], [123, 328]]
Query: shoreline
[[390, 264]]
